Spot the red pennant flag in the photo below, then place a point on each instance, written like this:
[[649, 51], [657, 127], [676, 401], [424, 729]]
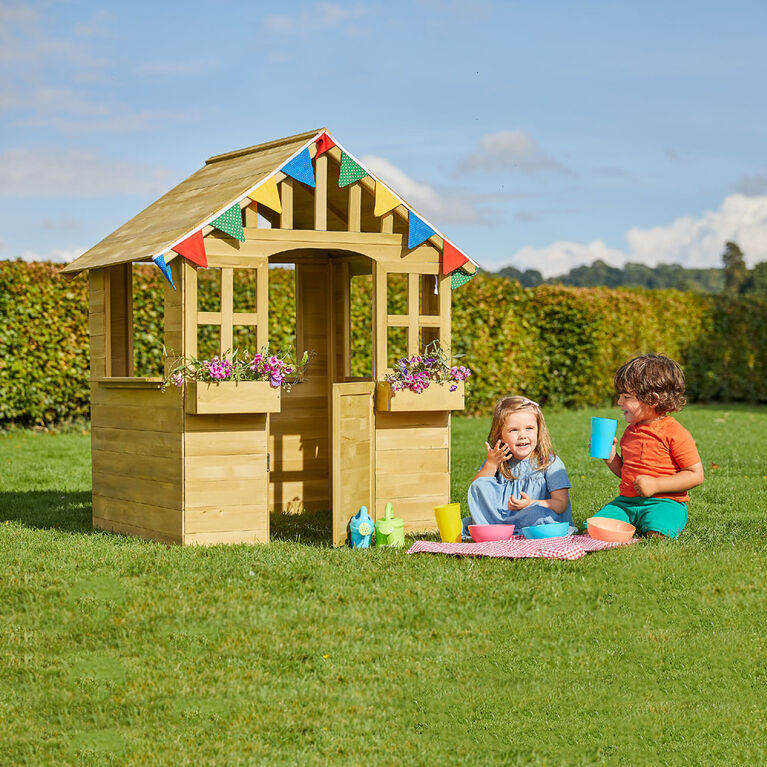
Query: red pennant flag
[[452, 258], [193, 249], [323, 143]]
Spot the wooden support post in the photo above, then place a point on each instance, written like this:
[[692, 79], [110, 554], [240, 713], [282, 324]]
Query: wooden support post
[[355, 207], [98, 322], [173, 326], [286, 200], [321, 193], [262, 306], [189, 287], [387, 223], [412, 314], [121, 319], [379, 321], [227, 310], [251, 216], [445, 294]]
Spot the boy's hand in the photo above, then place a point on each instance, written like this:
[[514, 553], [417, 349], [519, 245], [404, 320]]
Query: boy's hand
[[498, 454], [645, 486], [515, 504]]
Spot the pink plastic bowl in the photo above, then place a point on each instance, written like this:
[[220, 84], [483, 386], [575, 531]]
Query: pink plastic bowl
[[484, 533], [604, 529]]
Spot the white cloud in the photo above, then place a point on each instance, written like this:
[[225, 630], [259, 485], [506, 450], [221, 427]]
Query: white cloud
[[53, 172], [318, 16], [425, 199], [691, 242], [57, 255], [510, 150]]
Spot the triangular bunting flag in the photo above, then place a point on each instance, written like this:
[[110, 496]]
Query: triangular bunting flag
[[385, 200], [193, 249], [230, 222], [350, 172], [417, 231], [323, 143], [300, 168], [164, 268], [268, 194], [452, 258], [459, 277]]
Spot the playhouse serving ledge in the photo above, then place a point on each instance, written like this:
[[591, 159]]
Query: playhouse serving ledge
[[207, 463]]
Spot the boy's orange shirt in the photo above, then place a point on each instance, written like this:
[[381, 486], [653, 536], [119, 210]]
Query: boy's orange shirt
[[657, 449]]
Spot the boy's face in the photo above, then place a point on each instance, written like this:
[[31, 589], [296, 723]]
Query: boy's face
[[634, 409], [520, 433]]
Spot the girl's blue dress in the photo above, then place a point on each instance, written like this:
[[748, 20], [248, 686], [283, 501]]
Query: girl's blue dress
[[489, 496]]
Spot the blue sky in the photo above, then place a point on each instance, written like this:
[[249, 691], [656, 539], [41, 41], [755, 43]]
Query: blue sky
[[542, 134]]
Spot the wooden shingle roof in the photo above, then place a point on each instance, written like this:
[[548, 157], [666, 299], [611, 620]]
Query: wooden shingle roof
[[188, 206]]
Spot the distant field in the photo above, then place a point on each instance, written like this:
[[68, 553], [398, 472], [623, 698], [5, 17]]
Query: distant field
[[116, 651]]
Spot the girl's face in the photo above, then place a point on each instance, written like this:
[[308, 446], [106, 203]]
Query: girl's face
[[634, 409], [520, 433]]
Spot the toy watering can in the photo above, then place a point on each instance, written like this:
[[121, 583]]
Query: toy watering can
[[390, 531], [361, 529]]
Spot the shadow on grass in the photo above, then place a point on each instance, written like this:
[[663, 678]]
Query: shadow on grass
[[311, 527], [51, 509]]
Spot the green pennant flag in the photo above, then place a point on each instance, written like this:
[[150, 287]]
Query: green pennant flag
[[230, 221], [460, 277], [350, 171]]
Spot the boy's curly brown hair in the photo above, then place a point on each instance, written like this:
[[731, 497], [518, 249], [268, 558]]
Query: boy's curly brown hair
[[654, 379]]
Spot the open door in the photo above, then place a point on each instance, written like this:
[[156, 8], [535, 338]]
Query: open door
[[353, 464]]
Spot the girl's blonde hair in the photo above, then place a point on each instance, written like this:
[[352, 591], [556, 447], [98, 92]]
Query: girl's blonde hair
[[543, 454]]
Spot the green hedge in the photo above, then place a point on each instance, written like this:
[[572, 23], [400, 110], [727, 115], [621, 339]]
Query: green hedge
[[558, 345]]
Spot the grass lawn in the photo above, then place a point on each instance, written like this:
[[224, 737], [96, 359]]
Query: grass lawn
[[118, 651]]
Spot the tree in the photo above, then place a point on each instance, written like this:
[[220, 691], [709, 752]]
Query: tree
[[735, 270]]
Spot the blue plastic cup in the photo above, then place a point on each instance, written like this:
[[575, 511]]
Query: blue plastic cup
[[602, 436]]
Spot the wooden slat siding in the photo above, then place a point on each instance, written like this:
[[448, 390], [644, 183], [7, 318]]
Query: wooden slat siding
[[412, 459], [121, 319], [146, 397], [286, 202], [321, 193], [144, 443], [190, 204], [137, 532], [168, 467], [412, 314], [353, 453], [227, 309], [304, 413], [213, 539], [226, 485], [97, 324]]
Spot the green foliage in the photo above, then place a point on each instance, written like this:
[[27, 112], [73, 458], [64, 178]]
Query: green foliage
[[558, 345]]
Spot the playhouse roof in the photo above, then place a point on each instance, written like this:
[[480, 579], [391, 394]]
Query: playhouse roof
[[195, 202]]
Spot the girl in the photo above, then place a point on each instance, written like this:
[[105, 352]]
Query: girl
[[522, 482]]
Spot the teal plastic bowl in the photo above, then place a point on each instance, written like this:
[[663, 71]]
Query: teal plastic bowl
[[554, 530]]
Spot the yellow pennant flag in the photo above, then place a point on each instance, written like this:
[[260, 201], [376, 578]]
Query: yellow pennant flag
[[385, 200], [268, 194]]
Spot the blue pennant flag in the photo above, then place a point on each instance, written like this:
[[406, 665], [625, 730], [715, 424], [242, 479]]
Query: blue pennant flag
[[164, 268], [300, 168], [417, 231]]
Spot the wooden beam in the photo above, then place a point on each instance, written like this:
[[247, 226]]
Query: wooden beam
[[262, 305], [387, 224], [379, 321], [189, 286], [227, 309], [286, 200], [413, 310]]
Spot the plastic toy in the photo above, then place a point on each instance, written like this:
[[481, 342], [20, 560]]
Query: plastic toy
[[361, 529], [390, 531]]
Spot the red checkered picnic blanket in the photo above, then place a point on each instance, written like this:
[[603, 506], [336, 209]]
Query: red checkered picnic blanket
[[570, 547]]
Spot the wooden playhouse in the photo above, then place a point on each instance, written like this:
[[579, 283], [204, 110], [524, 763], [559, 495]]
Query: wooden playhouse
[[207, 464]]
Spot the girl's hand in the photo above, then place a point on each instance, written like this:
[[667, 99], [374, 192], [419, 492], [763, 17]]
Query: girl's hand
[[497, 455], [645, 486], [515, 504]]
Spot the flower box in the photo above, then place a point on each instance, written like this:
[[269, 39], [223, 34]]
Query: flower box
[[436, 397], [232, 397]]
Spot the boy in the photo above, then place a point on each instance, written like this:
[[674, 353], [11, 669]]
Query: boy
[[659, 462]]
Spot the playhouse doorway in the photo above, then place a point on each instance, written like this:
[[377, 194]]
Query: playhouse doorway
[[321, 443]]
